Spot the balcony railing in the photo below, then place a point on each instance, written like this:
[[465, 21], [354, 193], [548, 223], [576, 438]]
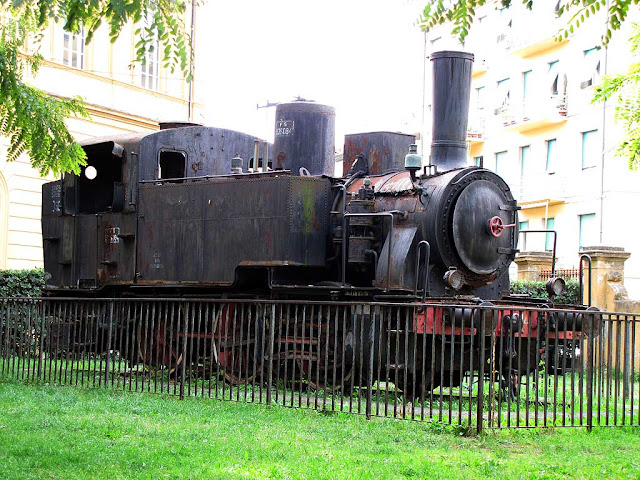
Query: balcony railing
[[476, 129], [531, 115]]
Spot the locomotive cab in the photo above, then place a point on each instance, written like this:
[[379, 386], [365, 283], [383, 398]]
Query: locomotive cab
[[88, 220]]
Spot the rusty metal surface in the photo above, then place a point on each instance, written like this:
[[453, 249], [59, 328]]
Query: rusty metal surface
[[202, 231], [394, 183], [381, 151], [402, 259], [467, 364], [116, 248], [66, 240], [208, 150], [84, 263], [304, 138]]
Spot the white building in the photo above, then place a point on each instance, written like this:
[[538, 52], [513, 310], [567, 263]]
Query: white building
[[122, 97], [532, 121]]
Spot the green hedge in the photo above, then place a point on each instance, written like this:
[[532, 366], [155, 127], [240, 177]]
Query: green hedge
[[21, 283], [29, 283], [538, 290]]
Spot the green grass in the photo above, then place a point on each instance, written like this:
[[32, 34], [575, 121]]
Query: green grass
[[546, 400], [69, 433]]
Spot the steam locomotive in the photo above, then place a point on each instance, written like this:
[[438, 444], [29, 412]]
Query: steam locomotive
[[193, 210]]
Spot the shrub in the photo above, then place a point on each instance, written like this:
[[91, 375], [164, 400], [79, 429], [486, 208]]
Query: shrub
[[21, 283], [538, 290]]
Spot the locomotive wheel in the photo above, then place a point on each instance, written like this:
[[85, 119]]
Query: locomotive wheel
[[234, 346], [321, 360], [155, 349]]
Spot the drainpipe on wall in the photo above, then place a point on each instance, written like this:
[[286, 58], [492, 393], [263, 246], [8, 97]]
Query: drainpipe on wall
[[192, 56], [424, 93], [604, 124]]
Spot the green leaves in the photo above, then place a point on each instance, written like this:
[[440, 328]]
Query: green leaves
[[21, 283], [625, 89], [461, 12], [539, 290], [33, 120]]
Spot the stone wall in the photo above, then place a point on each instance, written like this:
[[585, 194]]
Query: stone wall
[[610, 295]]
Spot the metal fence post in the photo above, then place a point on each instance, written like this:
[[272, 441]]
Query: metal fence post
[[109, 333], [480, 401], [372, 321], [269, 356], [183, 373], [628, 346], [590, 354], [41, 347]]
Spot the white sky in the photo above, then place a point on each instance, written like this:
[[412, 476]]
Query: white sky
[[362, 57]]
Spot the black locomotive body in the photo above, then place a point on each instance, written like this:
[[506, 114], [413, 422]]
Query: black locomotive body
[[196, 210], [194, 207]]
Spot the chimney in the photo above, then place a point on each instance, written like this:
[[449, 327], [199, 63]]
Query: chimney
[[451, 90]]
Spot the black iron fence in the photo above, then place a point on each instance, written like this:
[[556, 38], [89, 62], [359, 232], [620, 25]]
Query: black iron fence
[[477, 366]]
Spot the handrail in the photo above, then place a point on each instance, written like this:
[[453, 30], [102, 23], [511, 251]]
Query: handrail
[[587, 257], [426, 273]]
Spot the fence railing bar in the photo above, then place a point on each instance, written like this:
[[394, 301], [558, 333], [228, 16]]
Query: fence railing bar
[[461, 375], [386, 360], [590, 355], [423, 362], [618, 369], [633, 374], [480, 395], [471, 375]]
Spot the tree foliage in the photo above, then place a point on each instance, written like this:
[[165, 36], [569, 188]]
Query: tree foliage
[[32, 120], [625, 87], [460, 13]]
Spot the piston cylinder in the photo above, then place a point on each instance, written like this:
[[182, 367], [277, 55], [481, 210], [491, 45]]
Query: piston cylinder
[[305, 138]]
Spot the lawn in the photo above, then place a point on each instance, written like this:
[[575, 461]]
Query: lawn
[[68, 433]]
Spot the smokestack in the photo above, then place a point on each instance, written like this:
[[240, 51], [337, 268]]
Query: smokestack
[[451, 89]]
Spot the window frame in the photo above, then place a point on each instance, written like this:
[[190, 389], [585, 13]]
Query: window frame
[[524, 158], [592, 67], [550, 224], [523, 226], [159, 159], [480, 97], [151, 80], [582, 223], [70, 49], [553, 72], [525, 80], [503, 90], [497, 156], [551, 155], [587, 157]]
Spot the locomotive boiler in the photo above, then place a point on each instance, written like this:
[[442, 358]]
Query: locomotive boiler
[[192, 210]]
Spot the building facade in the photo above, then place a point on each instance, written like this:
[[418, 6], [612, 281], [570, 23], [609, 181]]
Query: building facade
[[122, 96], [532, 121]]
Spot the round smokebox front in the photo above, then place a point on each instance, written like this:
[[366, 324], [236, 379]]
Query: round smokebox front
[[484, 225]]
